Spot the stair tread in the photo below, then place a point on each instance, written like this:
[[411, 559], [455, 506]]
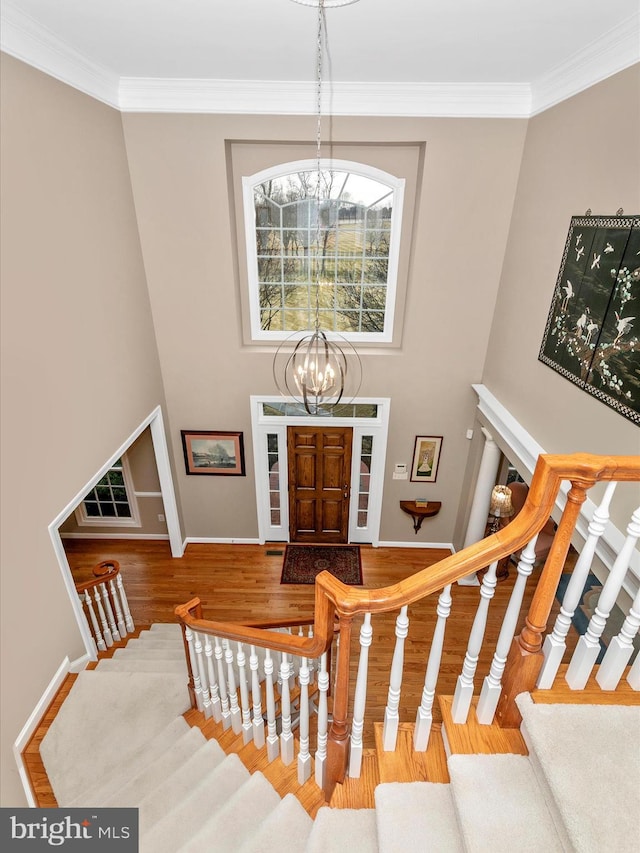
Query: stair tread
[[417, 816], [143, 653], [147, 753], [237, 819], [286, 829], [499, 814], [332, 827], [558, 736], [171, 789], [133, 665], [169, 833], [140, 784]]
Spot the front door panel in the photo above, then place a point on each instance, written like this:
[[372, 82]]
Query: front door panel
[[319, 483]]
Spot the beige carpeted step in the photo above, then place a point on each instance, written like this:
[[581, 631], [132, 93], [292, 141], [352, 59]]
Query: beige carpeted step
[[417, 816], [588, 760], [143, 653], [238, 819], [166, 628], [155, 640], [145, 755], [159, 665], [340, 830], [500, 805], [285, 830], [144, 782], [170, 789], [188, 815]]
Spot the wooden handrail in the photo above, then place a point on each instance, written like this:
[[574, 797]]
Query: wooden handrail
[[105, 571], [333, 599]]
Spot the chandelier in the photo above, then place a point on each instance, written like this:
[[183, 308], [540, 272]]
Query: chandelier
[[317, 368]]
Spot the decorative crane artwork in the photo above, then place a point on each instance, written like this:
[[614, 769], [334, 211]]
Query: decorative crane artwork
[[592, 336]]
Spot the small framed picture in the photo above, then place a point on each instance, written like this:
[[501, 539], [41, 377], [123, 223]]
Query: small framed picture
[[212, 452], [426, 456]]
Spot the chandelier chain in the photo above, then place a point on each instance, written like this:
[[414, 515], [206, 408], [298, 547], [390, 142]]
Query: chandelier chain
[[320, 47]]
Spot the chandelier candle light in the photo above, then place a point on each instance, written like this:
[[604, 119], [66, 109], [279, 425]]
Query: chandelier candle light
[[316, 372]]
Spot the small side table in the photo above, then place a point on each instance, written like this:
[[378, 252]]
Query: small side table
[[419, 513]]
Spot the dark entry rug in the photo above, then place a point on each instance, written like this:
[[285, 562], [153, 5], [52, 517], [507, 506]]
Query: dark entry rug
[[303, 562]]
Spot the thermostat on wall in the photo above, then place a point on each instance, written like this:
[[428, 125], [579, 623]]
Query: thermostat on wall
[[400, 471]]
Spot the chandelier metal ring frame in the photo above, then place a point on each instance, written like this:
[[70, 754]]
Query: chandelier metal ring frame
[[319, 372]]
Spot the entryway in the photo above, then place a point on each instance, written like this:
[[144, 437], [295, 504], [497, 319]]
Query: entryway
[[319, 460]]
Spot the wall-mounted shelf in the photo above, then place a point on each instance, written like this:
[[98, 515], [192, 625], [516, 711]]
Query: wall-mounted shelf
[[419, 513]]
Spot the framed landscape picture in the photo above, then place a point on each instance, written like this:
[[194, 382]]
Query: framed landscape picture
[[426, 456], [211, 452], [591, 335]]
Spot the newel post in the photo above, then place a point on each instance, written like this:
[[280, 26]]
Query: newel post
[[525, 658], [338, 741]]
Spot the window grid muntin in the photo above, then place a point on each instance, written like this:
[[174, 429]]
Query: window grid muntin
[[109, 499], [364, 481], [380, 226], [273, 473]]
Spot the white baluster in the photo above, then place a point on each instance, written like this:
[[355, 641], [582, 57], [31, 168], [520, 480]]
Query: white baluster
[[311, 662], [492, 685], [216, 711], [106, 631], [222, 684], [109, 611], [304, 756], [424, 717], [633, 678], [247, 732], [128, 618], [360, 699], [464, 686], [391, 718], [555, 643], [122, 628], [286, 737], [189, 636], [256, 696], [100, 643], [236, 719], [588, 647], [206, 709], [323, 721], [272, 734], [620, 649]]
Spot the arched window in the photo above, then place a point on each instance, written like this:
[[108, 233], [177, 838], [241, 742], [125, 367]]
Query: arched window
[[334, 233]]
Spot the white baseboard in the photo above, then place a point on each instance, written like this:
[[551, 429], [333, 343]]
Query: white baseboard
[[114, 535], [410, 544], [32, 724], [219, 540]]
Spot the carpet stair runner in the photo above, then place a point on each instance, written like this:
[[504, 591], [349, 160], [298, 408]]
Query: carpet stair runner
[[577, 790]]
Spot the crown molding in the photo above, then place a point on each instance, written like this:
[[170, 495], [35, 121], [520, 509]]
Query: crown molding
[[29, 41], [617, 49], [24, 38], [496, 100]]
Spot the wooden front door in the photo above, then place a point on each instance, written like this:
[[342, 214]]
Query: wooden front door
[[319, 483]]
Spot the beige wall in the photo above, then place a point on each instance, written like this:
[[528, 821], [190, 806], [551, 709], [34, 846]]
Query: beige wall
[[583, 153], [180, 176], [79, 362]]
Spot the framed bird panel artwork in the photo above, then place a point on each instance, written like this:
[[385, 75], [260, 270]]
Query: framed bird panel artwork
[[592, 334]]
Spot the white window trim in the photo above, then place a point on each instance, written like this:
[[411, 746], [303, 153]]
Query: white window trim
[[84, 520], [378, 427], [361, 169]]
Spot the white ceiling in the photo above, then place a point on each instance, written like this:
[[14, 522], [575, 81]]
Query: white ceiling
[[388, 57]]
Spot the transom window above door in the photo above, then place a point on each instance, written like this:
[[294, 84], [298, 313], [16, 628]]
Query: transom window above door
[[334, 233]]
